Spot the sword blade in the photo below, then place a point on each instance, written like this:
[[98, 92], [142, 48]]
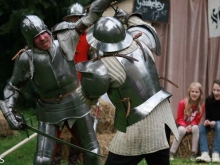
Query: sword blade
[[95, 124], [96, 116], [60, 141]]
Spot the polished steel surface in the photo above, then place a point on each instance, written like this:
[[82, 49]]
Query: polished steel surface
[[63, 26], [75, 9], [109, 35], [94, 74], [148, 36], [31, 26], [142, 83]]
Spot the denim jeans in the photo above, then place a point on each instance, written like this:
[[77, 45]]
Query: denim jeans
[[203, 138]]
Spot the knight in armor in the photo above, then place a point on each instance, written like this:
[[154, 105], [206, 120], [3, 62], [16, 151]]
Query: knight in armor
[[48, 64], [127, 72], [74, 13]]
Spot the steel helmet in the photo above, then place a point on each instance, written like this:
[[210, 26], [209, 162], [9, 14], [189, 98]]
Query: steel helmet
[[109, 35], [75, 9], [31, 26]]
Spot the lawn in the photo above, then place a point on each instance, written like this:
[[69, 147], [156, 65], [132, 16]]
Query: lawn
[[25, 153]]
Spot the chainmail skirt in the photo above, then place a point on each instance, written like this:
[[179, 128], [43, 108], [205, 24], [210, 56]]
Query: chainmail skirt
[[147, 135]]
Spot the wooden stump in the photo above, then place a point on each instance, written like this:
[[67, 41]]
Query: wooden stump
[[185, 147], [4, 127]]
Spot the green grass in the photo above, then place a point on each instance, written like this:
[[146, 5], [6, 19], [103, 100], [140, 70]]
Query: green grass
[[24, 154], [185, 161]]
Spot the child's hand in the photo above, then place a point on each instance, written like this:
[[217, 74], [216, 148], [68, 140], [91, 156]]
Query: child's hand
[[212, 124], [189, 129], [206, 123]]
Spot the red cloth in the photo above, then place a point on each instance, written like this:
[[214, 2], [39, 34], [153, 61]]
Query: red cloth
[[81, 51], [183, 119]]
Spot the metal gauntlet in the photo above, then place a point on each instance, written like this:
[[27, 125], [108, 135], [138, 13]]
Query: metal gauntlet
[[80, 27], [7, 107], [13, 120], [99, 6], [123, 16]]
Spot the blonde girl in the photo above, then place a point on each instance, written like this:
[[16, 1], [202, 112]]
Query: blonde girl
[[189, 113]]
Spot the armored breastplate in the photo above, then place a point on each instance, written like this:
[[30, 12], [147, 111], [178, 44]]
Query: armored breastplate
[[53, 74], [140, 93]]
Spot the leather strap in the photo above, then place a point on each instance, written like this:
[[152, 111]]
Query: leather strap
[[57, 100], [129, 105], [19, 52], [113, 55], [138, 42], [169, 81]]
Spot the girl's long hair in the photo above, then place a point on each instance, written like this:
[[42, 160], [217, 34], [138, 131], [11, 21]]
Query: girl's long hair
[[212, 96], [199, 101]]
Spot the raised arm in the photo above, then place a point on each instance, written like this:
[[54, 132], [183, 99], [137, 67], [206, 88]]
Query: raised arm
[[68, 33]]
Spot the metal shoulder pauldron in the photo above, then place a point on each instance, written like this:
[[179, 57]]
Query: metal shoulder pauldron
[[63, 26]]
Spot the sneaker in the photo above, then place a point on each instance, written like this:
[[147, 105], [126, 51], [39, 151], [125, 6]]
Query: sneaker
[[215, 157], [193, 156], [204, 157], [172, 156]]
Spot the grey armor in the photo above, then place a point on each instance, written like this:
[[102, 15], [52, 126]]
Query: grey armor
[[134, 91], [32, 26], [132, 84], [109, 36], [143, 116], [148, 37], [75, 9], [55, 79], [52, 72]]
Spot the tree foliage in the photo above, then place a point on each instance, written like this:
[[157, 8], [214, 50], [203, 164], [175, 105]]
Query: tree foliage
[[11, 39]]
